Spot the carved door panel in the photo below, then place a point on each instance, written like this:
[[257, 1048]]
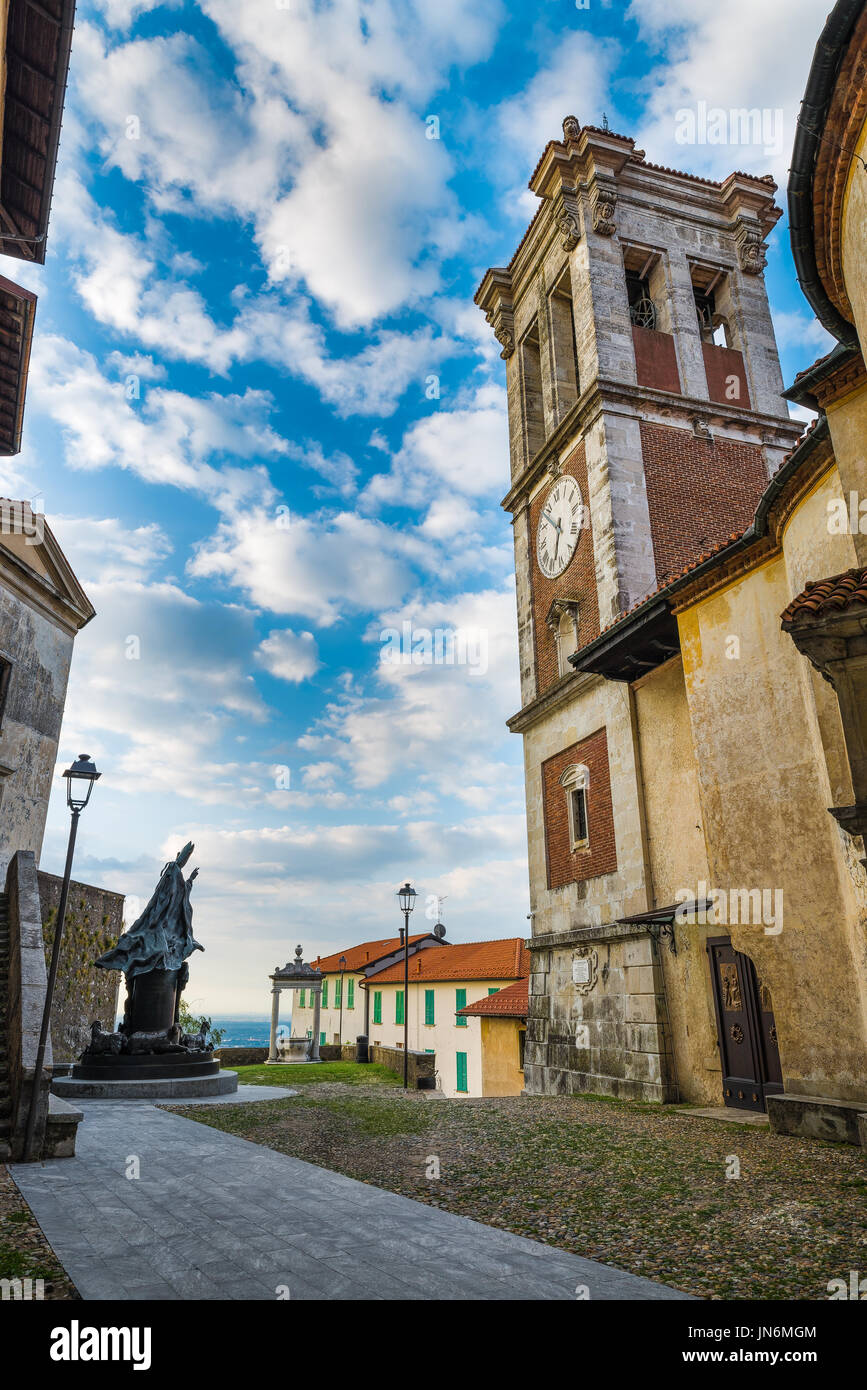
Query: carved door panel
[[772, 1071], [745, 1028]]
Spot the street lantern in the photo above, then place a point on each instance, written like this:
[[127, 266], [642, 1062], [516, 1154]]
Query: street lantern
[[79, 785], [79, 782], [406, 896], [342, 966]]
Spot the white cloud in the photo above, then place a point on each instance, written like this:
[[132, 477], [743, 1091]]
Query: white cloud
[[795, 329], [105, 549], [291, 656], [120, 14], [342, 187], [575, 83], [709, 62], [316, 566], [165, 436], [440, 724], [461, 451]]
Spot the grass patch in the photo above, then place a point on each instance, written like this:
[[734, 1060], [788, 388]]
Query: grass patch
[[24, 1251], [315, 1074], [633, 1185]]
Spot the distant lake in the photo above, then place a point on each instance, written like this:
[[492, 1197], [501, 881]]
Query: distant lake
[[246, 1032]]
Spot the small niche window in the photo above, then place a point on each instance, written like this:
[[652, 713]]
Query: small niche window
[[575, 782], [562, 621]]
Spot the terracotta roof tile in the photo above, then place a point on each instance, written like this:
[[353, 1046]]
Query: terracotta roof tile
[[469, 960], [357, 957], [511, 1002], [839, 592], [818, 362]]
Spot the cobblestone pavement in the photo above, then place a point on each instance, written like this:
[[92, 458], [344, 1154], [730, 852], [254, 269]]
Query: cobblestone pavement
[[213, 1216]]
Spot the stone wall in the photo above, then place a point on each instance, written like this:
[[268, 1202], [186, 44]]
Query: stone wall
[[422, 1065], [241, 1056], [598, 1018], [26, 986], [39, 653], [94, 921]]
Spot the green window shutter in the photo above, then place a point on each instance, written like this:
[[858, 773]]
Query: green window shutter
[[377, 1006], [301, 1000], [460, 1003], [325, 994], [338, 993], [461, 1060], [321, 1039], [431, 1050], [493, 990], [428, 1006], [398, 1006], [350, 994]]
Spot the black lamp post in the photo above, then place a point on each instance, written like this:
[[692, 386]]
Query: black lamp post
[[79, 784], [342, 965], [406, 897]]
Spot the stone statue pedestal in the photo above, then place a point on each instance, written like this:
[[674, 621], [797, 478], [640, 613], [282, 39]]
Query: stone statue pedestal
[[146, 1066]]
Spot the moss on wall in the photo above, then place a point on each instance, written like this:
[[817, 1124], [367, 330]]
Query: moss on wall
[[94, 921]]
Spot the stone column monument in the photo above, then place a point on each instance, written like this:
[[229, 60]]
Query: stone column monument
[[296, 974]]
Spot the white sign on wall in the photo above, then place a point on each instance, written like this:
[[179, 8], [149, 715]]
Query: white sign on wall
[[581, 970]]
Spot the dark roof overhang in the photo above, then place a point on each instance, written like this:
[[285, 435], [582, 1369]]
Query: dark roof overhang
[[17, 310], [802, 391], [637, 644], [829, 54], [38, 40]]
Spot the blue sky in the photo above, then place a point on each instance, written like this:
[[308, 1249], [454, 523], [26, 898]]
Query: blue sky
[[268, 424]]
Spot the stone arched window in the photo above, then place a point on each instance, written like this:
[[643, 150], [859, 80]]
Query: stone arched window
[[575, 781]]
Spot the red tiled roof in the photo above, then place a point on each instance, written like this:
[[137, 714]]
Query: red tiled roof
[[471, 960], [511, 1002], [818, 362], [839, 592], [357, 957]]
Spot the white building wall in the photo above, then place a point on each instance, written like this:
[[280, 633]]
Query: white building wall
[[444, 1037]]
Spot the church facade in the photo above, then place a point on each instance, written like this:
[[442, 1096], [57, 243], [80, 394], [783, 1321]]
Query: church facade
[[697, 915]]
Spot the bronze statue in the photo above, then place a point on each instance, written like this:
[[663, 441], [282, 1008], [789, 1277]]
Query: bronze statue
[[153, 956], [162, 938]]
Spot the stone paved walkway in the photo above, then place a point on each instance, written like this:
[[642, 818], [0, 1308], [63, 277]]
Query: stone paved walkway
[[212, 1216]]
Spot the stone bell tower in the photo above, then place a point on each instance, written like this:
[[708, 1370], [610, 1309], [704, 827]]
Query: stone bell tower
[[645, 418]]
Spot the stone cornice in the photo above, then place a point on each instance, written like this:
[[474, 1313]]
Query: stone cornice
[[565, 690], [610, 931], [46, 596]]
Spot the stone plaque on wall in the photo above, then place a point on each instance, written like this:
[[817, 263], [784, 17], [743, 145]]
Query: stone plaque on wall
[[584, 970]]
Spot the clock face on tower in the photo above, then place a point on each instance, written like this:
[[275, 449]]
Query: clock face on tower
[[559, 527]]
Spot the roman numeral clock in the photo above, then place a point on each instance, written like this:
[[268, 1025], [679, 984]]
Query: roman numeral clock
[[559, 527]]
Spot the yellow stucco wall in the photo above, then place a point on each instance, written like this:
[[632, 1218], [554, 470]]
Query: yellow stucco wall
[[854, 239], [768, 743], [677, 859], [501, 1057], [847, 420]]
